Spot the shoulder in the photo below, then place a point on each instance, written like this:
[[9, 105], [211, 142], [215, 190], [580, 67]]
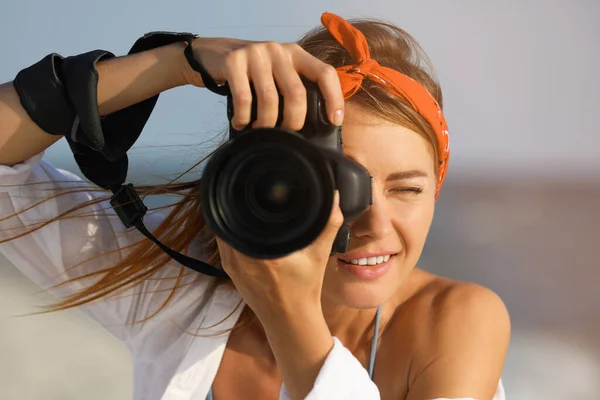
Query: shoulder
[[462, 306], [448, 305], [462, 333]]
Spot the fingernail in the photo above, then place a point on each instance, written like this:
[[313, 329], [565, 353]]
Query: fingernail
[[338, 117]]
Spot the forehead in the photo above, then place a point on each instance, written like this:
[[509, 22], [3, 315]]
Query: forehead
[[382, 145]]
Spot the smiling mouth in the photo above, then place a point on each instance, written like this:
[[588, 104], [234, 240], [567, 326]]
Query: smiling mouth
[[368, 261]]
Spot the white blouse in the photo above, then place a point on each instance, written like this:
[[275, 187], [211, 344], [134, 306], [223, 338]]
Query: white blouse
[[177, 353]]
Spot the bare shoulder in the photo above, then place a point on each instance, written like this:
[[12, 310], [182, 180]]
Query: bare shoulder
[[465, 305], [450, 304], [461, 334]]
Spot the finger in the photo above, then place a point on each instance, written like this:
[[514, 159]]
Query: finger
[[294, 94], [239, 84], [267, 97], [327, 78], [336, 219]]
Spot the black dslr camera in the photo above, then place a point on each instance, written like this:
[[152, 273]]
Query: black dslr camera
[[269, 192]]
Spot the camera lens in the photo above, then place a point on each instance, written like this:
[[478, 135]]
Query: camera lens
[[275, 195], [268, 194]]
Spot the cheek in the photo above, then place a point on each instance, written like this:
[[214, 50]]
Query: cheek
[[412, 221]]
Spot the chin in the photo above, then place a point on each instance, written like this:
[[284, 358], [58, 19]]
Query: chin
[[360, 288]]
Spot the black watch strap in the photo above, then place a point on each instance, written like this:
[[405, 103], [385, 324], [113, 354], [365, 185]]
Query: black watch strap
[[207, 79], [162, 38]]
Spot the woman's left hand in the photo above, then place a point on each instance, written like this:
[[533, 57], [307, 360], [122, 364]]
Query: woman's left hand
[[273, 287]]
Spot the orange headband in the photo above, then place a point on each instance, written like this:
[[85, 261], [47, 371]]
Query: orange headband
[[395, 82]]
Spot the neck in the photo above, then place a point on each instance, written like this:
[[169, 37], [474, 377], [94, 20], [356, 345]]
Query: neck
[[353, 327]]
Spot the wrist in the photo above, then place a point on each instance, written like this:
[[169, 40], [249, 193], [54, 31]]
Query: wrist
[[281, 310], [305, 329], [179, 70], [188, 76], [301, 342], [295, 314]]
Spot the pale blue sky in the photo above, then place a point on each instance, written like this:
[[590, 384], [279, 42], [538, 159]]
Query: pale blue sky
[[515, 74]]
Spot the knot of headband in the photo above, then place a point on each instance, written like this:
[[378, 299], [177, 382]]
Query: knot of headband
[[395, 82]]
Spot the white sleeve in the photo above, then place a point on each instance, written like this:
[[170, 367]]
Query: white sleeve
[[45, 255], [342, 377]]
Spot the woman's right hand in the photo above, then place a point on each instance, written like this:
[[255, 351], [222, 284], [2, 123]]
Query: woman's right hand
[[267, 64]]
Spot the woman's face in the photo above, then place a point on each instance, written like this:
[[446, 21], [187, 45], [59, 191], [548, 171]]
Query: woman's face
[[396, 225]]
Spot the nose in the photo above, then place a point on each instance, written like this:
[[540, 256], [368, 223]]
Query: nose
[[374, 223]]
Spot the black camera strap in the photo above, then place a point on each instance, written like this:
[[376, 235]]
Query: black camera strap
[[125, 200], [60, 95], [131, 210]]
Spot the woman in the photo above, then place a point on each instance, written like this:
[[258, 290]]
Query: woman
[[366, 324]]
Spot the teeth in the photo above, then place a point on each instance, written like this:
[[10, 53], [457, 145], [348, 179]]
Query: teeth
[[369, 261]]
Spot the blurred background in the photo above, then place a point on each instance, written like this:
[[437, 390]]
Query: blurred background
[[519, 212]]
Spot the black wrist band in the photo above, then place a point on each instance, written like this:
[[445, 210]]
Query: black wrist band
[[161, 38], [207, 79], [80, 79], [43, 95], [59, 94]]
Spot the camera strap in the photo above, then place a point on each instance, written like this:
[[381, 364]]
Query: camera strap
[[125, 200], [68, 88]]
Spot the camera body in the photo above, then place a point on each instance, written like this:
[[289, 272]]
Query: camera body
[[268, 192]]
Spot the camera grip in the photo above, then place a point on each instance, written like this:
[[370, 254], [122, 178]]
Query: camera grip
[[316, 123]]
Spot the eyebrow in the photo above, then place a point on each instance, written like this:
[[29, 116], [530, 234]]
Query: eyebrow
[[401, 175], [398, 175]]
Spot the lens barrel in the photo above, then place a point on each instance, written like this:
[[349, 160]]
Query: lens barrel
[[267, 193]]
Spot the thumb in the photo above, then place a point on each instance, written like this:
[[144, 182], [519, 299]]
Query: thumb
[[336, 219]]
